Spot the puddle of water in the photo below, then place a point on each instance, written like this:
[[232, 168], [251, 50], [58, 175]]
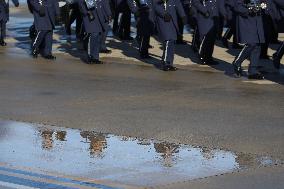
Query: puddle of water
[[113, 158]]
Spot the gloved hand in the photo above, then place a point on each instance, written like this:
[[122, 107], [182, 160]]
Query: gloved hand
[[207, 14], [91, 16], [41, 11], [167, 17]]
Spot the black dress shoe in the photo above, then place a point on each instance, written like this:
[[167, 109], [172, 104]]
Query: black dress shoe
[[3, 43], [172, 68], [237, 46], [238, 70], [276, 61], [49, 57], [92, 60], [165, 66], [34, 53], [106, 51], [225, 42], [257, 76], [96, 61]]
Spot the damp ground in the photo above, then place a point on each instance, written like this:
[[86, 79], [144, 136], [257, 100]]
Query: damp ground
[[114, 159]]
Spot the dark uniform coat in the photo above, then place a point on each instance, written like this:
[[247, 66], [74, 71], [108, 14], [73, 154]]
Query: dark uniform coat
[[249, 28], [4, 9], [97, 24], [168, 30], [213, 8], [46, 22]]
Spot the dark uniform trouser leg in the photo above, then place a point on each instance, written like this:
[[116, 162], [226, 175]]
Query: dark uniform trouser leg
[[124, 27], [228, 34], [207, 45], [103, 41], [40, 37], [144, 45], [3, 30], [169, 51], [115, 22], [280, 51], [94, 45], [48, 43], [180, 28], [195, 39], [252, 51]]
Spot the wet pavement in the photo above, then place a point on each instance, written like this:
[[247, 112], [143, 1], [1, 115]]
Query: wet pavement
[[182, 123], [108, 158]]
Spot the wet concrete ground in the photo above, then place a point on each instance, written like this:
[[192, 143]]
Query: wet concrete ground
[[114, 159], [198, 105]]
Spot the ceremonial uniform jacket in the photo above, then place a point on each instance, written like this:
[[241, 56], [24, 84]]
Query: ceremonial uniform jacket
[[249, 28], [46, 22], [214, 8], [168, 30], [98, 23], [4, 9], [145, 17]]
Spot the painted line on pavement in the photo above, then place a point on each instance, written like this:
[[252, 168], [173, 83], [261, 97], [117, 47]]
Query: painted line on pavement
[[55, 178], [11, 185]]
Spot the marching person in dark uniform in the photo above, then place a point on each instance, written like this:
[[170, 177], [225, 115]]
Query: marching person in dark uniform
[[185, 5], [93, 20], [107, 17], [231, 24], [208, 12], [249, 32], [166, 14], [195, 44], [45, 13], [277, 56], [270, 18], [74, 14], [4, 18], [143, 10], [122, 27]]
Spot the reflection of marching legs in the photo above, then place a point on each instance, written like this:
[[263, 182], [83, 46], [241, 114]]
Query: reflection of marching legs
[[94, 48], [168, 55], [3, 33], [252, 51], [43, 37], [144, 46], [278, 55]]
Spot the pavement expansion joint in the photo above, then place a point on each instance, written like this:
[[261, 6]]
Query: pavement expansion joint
[[116, 161]]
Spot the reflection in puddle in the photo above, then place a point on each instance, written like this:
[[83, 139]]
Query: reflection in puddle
[[114, 158]]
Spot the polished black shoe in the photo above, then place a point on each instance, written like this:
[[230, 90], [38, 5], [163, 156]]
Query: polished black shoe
[[276, 61], [257, 76], [202, 61], [49, 57], [106, 51], [165, 66], [237, 46], [238, 70], [96, 61], [172, 68], [225, 42], [3, 43], [34, 53]]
